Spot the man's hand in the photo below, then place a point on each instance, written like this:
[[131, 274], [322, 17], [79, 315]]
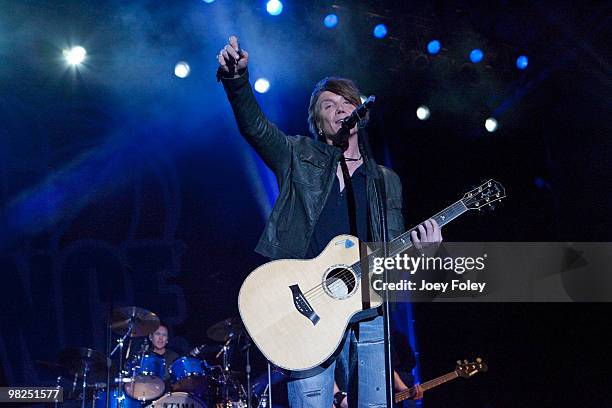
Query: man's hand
[[232, 60], [418, 392], [428, 238]]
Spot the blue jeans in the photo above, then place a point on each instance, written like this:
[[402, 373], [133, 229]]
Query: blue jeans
[[361, 360]]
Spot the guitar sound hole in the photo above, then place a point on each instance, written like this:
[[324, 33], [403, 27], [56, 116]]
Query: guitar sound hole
[[339, 283]]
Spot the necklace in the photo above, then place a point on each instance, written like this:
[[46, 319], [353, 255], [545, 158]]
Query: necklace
[[351, 159]]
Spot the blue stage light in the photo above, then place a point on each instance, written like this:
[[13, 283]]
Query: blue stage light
[[208, 1], [330, 21], [262, 85], [274, 7], [476, 55], [380, 31], [522, 62], [433, 47]]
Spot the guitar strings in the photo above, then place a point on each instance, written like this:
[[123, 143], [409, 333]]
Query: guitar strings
[[315, 292], [343, 276], [443, 217]]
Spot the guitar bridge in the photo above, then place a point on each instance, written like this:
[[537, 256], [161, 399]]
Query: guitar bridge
[[302, 305]]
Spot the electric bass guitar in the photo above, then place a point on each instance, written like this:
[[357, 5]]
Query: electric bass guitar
[[463, 369], [296, 310]]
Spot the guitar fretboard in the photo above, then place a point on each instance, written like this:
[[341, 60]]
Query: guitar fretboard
[[440, 380], [403, 395], [403, 242]]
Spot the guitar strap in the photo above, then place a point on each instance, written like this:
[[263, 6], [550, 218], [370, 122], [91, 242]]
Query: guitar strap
[[352, 210], [352, 213]]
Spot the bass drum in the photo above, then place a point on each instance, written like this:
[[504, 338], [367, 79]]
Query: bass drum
[[177, 399]]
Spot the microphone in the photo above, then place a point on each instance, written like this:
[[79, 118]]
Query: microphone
[[358, 114]]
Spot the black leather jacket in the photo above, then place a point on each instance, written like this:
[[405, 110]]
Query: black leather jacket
[[305, 171]]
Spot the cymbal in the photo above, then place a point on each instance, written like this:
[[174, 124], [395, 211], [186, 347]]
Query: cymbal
[[223, 330], [144, 322], [79, 359]]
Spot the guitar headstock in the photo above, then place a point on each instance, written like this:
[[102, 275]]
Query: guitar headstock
[[484, 195], [467, 369]]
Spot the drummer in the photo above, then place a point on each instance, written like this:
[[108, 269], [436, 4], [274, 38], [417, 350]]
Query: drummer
[[159, 341]]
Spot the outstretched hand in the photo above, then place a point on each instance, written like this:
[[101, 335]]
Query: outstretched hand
[[232, 60]]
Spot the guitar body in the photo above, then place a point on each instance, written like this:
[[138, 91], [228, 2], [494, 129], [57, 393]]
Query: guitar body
[[296, 311]]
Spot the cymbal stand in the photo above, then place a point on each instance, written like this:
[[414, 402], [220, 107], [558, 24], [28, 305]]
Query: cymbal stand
[[247, 347], [119, 347], [84, 387], [263, 399]]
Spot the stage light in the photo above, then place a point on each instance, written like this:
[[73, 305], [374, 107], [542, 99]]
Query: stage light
[[423, 112], [274, 7], [433, 47], [491, 124], [181, 69], [380, 31], [522, 62], [262, 85], [208, 1], [75, 55], [330, 21], [476, 55]]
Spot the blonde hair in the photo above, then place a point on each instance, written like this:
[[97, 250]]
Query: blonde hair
[[340, 86]]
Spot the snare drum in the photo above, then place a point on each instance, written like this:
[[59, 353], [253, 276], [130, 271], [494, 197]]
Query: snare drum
[[189, 375], [177, 399], [146, 377]]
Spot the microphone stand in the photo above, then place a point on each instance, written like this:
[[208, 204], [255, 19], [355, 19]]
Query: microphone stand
[[382, 216], [380, 193]]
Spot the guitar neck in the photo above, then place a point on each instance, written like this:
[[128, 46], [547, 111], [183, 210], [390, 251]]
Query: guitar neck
[[403, 395], [439, 380], [403, 242]]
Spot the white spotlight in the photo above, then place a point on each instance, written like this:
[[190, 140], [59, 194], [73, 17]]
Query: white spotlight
[[423, 112], [75, 55], [262, 85], [181, 69], [491, 124]]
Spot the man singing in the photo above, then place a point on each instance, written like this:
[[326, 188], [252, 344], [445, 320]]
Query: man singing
[[316, 179]]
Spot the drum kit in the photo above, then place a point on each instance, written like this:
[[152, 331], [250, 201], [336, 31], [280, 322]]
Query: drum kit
[[145, 380]]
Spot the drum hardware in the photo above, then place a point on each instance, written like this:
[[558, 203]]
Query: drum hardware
[[263, 398], [177, 399], [134, 321], [225, 329], [84, 363], [190, 374], [147, 376], [231, 330], [140, 373], [129, 322]]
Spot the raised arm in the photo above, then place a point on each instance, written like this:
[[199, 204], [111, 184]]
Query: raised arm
[[269, 142]]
